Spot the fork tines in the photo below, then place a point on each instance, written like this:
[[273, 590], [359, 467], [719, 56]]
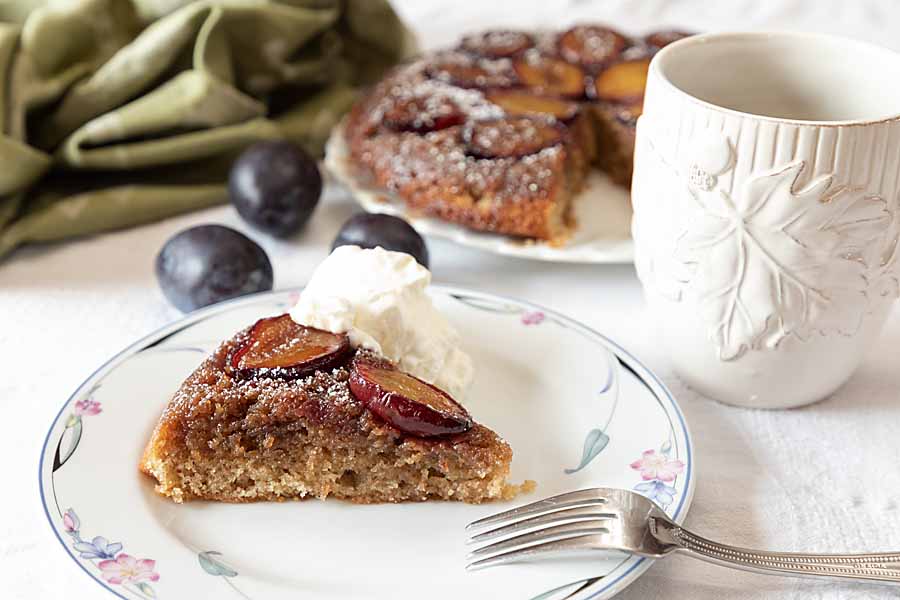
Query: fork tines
[[567, 500], [559, 523]]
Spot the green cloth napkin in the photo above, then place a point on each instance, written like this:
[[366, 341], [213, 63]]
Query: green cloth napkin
[[120, 112]]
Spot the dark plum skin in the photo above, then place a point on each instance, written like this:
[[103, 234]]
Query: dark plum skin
[[368, 230], [210, 263], [406, 402], [278, 347], [275, 186]]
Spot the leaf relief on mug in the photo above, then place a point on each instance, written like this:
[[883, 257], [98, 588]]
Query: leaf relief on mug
[[775, 259]]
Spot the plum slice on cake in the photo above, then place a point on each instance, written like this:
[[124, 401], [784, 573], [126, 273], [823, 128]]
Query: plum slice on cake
[[282, 410]]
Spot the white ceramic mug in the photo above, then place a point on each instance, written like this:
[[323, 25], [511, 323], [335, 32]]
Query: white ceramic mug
[[766, 194]]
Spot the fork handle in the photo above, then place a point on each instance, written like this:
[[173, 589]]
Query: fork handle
[[884, 566]]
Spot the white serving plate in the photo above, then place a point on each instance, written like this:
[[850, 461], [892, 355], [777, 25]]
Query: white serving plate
[[563, 396]]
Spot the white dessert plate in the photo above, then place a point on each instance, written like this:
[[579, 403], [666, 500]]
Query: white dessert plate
[[578, 410], [602, 213]]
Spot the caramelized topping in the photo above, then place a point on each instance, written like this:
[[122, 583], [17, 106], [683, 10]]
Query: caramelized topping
[[468, 72], [497, 43], [591, 45], [511, 136], [423, 114], [280, 347]]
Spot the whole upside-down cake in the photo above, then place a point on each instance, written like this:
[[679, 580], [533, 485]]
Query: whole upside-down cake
[[498, 133]]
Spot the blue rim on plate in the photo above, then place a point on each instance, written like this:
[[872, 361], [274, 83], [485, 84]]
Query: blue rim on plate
[[602, 586]]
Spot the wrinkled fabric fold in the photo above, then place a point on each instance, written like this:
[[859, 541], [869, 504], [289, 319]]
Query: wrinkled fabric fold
[[106, 104]]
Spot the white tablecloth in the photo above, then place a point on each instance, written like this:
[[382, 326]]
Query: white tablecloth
[[822, 478]]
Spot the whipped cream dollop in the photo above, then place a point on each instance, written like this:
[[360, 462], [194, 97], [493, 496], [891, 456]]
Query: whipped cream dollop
[[378, 298]]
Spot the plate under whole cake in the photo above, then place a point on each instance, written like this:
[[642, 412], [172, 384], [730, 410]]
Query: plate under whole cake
[[601, 213]]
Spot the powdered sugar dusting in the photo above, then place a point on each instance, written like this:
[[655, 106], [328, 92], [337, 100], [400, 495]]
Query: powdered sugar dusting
[[468, 71], [497, 42], [411, 164], [511, 136], [591, 44], [429, 151], [428, 100]]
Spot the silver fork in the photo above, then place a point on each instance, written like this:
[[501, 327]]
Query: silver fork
[[612, 519]]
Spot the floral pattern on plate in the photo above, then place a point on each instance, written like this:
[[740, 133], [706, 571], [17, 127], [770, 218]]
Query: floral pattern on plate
[[71, 437], [658, 472], [116, 567]]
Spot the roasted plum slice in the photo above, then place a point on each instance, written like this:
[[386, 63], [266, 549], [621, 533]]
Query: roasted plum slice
[[497, 43], [591, 45], [623, 82], [469, 72], [422, 114], [661, 39], [406, 402], [511, 136], [518, 102], [281, 347], [550, 75]]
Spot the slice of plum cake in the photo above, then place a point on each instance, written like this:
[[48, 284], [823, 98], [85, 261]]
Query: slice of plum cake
[[284, 411]]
